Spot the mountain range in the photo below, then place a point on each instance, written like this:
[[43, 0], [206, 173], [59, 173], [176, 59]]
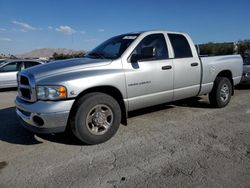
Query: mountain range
[[46, 52]]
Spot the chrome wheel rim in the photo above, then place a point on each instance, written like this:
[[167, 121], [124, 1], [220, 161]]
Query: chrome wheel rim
[[224, 93], [99, 119]]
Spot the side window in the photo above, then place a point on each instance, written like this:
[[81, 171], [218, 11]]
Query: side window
[[11, 67], [30, 64], [180, 46], [158, 42]]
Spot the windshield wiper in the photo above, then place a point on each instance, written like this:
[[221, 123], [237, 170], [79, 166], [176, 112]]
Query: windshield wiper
[[97, 54]]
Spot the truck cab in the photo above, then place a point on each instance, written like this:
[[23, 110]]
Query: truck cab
[[162, 77]]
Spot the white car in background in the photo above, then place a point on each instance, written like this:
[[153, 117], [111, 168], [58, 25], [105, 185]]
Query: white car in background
[[10, 68]]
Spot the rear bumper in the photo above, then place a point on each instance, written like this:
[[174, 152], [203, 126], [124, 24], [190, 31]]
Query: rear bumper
[[44, 116]]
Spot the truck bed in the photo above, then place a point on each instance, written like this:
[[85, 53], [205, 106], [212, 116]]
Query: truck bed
[[213, 65]]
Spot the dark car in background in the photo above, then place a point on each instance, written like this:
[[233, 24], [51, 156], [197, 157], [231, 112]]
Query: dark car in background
[[246, 71], [9, 69]]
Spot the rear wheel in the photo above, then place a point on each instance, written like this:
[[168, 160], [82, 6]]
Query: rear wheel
[[97, 118], [221, 93]]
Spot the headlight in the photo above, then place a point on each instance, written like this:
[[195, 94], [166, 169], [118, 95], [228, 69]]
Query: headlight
[[51, 92]]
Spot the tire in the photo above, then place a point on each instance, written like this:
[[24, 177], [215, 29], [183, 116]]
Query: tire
[[97, 118], [221, 93]]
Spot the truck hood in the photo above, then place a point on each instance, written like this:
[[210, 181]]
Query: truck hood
[[65, 66]]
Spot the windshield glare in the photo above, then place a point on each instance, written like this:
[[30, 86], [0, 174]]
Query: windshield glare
[[113, 48]]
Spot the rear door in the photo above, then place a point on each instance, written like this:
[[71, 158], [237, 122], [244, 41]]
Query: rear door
[[187, 67], [8, 74], [149, 81]]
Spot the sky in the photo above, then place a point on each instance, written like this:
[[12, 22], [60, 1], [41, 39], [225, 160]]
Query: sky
[[26, 25]]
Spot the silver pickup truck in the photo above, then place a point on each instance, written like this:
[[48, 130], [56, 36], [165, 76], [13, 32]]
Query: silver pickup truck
[[92, 95]]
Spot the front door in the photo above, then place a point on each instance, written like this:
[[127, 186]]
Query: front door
[[149, 81], [8, 74]]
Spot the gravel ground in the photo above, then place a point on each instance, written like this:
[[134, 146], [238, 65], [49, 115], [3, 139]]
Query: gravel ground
[[183, 144]]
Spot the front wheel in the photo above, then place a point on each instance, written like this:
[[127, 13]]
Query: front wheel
[[97, 118], [221, 93]]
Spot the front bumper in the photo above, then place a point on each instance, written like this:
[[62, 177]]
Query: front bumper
[[44, 116]]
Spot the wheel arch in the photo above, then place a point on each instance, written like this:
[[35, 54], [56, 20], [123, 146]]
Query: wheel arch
[[109, 90], [228, 74]]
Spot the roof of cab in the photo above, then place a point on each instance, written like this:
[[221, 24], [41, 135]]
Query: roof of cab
[[155, 31]]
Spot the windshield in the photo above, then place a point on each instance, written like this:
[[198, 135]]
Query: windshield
[[2, 62], [112, 48], [247, 61]]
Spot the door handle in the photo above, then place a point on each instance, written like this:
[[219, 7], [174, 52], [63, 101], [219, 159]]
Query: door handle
[[166, 67], [194, 64]]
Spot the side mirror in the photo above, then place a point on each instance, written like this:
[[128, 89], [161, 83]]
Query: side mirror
[[134, 58], [147, 53]]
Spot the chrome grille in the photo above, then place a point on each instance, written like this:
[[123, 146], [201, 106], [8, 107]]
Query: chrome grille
[[24, 80], [26, 87], [25, 93]]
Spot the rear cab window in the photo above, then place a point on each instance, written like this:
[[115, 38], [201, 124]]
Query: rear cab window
[[180, 46]]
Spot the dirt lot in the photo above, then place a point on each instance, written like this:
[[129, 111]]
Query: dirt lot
[[184, 144]]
